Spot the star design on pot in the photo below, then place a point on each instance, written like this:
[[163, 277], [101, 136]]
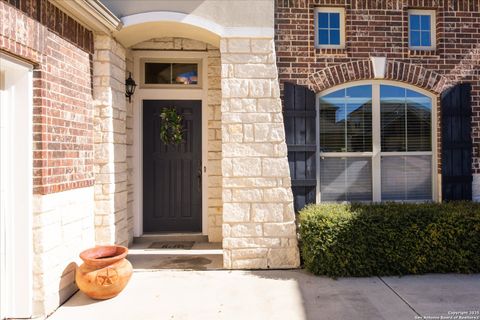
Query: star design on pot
[[107, 277]]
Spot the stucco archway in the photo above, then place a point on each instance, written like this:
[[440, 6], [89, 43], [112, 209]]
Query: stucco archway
[[144, 26]]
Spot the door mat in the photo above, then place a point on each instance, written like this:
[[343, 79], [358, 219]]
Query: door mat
[[185, 245]]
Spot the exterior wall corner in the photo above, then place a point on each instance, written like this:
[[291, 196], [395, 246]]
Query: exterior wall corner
[[110, 143], [259, 229]]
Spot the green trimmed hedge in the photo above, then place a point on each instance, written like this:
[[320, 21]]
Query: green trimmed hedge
[[390, 238]]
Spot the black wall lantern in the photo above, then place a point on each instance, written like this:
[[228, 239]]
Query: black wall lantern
[[130, 87]]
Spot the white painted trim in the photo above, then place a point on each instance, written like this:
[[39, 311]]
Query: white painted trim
[[345, 154], [433, 28], [376, 145], [376, 154], [317, 142], [196, 21], [407, 153], [166, 94], [16, 182], [339, 10]]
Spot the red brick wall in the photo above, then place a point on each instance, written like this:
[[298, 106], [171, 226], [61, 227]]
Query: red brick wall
[[56, 21], [62, 97], [380, 28]]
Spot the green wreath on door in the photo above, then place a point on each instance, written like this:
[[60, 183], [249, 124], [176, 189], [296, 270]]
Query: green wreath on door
[[171, 129]]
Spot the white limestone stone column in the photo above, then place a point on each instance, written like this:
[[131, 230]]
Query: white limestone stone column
[[259, 228], [110, 164]]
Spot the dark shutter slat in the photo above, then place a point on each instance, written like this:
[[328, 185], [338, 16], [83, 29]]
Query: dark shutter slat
[[310, 163], [303, 196], [304, 183], [301, 147], [289, 96], [300, 131], [457, 143], [300, 98], [300, 113]]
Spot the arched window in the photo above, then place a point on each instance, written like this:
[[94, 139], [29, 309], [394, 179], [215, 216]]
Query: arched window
[[375, 143]]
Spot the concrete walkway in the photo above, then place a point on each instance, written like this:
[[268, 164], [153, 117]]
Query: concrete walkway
[[290, 295]]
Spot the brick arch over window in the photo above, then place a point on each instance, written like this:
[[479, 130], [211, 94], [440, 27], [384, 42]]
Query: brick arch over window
[[363, 70]]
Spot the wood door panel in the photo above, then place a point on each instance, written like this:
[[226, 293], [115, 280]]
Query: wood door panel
[[172, 193]]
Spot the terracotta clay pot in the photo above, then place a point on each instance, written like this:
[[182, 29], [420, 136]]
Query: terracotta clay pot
[[105, 271]]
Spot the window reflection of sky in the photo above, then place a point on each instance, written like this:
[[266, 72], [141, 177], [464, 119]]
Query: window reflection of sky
[[347, 100], [391, 94], [420, 30], [346, 120], [405, 119], [328, 28]]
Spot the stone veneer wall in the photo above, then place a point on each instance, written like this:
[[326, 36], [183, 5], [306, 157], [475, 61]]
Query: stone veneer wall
[[129, 132], [259, 228], [214, 179], [63, 227], [214, 174], [112, 222]]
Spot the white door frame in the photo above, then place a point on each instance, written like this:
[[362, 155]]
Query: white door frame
[[16, 245], [166, 93]]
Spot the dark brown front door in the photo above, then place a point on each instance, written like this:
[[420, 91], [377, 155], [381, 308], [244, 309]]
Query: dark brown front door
[[172, 185]]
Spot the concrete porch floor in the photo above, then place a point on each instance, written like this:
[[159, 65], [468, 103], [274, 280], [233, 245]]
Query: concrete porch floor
[[202, 256], [288, 294]]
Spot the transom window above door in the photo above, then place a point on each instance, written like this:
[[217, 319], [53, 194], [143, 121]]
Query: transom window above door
[[375, 143], [163, 73]]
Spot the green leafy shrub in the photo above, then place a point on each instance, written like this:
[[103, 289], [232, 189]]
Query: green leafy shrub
[[390, 238]]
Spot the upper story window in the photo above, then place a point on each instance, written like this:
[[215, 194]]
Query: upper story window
[[330, 28], [421, 29]]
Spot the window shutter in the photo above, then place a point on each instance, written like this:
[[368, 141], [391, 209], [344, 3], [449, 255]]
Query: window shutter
[[457, 143], [300, 132]]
